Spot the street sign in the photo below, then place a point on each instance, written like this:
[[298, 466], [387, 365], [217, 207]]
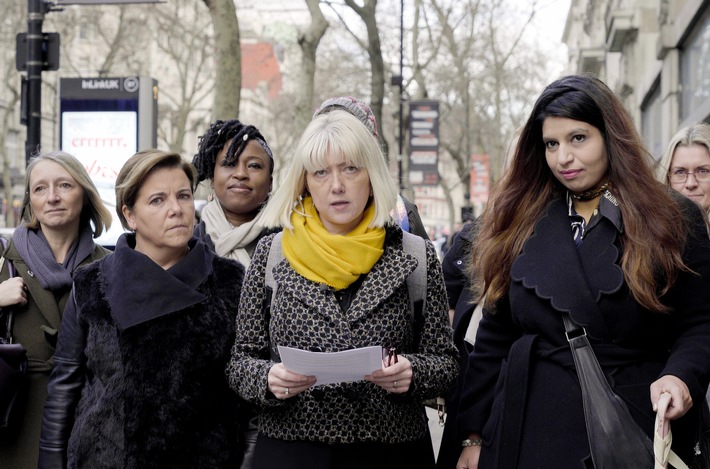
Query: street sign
[[50, 51], [424, 143]]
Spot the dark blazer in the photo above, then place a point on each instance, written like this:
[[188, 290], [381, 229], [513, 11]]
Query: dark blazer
[[455, 263], [308, 317], [36, 325], [522, 363], [458, 289], [139, 375]]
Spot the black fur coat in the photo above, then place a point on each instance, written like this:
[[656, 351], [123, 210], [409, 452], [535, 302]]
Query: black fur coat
[[141, 357]]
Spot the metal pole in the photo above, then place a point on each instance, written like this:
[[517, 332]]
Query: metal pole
[[467, 176], [401, 94], [35, 16]]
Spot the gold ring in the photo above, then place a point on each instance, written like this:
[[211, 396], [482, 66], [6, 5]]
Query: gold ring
[[287, 391]]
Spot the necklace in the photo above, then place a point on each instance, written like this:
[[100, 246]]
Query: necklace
[[591, 193]]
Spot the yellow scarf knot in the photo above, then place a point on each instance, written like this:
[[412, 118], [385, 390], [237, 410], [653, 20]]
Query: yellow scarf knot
[[335, 260]]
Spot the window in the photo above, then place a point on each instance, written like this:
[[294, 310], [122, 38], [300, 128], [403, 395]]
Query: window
[[695, 69], [651, 121]]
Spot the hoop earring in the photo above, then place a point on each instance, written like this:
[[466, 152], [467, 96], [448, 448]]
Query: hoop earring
[[210, 197]]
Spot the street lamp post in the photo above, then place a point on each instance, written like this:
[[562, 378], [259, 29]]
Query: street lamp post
[[36, 10], [401, 97]]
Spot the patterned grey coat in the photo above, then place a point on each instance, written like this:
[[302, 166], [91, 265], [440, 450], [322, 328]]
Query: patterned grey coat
[[309, 317]]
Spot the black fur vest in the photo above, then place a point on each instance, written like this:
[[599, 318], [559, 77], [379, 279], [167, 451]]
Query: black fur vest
[[155, 392]]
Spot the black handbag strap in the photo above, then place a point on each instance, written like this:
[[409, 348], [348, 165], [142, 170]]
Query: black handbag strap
[[615, 439], [7, 312]]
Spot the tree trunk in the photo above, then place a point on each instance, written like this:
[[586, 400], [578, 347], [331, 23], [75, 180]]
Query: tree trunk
[[228, 75], [374, 51], [308, 40]]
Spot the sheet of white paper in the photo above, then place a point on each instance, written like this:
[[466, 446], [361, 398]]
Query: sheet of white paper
[[333, 367]]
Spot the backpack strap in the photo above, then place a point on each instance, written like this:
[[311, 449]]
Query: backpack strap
[[417, 280], [275, 256]]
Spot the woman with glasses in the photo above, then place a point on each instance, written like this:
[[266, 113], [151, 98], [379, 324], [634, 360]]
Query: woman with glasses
[[685, 166]]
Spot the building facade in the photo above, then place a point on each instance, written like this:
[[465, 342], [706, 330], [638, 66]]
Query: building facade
[[655, 54]]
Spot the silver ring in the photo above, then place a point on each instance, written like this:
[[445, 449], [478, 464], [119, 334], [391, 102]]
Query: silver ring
[[287, 391], [394, 384]]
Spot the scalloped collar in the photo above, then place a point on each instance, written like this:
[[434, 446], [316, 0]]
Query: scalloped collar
[[572, 278]]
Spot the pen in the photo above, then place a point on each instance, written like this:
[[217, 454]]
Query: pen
[[389, 356]]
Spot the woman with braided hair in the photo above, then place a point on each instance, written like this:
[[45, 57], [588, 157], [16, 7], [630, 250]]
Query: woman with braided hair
[[239, 164]]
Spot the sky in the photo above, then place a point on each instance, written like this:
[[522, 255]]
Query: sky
[[549, 23]]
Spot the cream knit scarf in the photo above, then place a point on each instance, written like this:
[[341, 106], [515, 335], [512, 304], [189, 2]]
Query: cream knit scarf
[[229, 241]]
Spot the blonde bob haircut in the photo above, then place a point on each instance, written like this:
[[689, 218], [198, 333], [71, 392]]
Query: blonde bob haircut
[[344, 138], [696, 134], [137, 169], [93, 212]]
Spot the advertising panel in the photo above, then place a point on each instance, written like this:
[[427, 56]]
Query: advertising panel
[[102, 141], [103, 122]]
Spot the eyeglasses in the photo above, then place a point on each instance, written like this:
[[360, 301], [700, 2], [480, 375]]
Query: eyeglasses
[[681, 175]]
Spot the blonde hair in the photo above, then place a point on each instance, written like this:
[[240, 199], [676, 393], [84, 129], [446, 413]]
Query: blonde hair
[[696, 134], [335, 134], [93, 211], [137, 169]]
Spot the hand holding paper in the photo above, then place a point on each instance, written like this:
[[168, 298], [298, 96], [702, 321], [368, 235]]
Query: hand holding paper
[[334, 367]]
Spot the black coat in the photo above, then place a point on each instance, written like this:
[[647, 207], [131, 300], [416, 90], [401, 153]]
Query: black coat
[[522, 362], [141, 357]]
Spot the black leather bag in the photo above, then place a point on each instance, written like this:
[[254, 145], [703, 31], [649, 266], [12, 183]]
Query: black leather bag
[[615, 439], [13, 370]]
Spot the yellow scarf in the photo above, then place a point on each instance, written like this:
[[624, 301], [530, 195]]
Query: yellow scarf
[[335, 260]]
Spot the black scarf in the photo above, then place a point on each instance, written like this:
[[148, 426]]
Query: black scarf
[[36, 252]]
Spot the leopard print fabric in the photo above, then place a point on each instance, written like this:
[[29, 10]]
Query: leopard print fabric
[[308, 317]]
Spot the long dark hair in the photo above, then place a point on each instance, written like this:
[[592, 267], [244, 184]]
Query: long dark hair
[[652, 218]]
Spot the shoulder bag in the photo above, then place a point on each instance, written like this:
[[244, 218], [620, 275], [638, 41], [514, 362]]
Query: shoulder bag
[[13, 368], [615, 439]]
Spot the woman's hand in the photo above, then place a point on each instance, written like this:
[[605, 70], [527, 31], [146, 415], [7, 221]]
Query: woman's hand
[[680, 400], [284, 384], [13, 292], [395, 378], [469, 455]]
